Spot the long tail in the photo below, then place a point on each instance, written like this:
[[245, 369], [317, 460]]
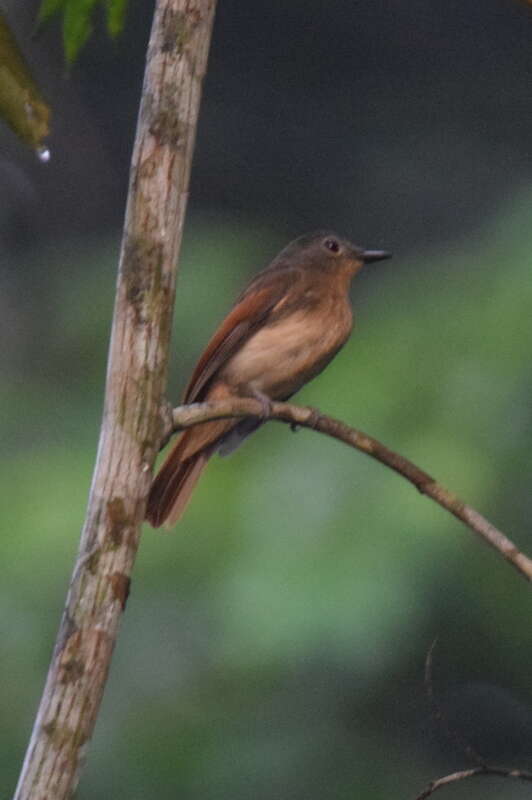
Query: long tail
[[173, 485]]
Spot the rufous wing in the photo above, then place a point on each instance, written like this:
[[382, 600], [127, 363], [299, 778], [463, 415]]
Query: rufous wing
[[255, 304], [179, 474]]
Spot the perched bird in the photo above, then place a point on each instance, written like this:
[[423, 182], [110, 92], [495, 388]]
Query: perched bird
[[283, 330]]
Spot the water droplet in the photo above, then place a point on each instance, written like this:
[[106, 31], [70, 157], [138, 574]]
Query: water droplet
[[43, 154]]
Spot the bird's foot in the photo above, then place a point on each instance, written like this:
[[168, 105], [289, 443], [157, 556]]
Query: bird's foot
[[314, 418], [167, 422], [265, 402]]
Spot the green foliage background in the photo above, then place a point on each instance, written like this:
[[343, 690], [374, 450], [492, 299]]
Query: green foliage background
[[274, 643], [78, 20]]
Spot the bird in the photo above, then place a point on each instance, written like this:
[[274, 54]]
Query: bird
[[283, 330]]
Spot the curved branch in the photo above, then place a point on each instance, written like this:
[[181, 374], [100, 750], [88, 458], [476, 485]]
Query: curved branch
[[454, 736], [474, 772], [186, 416], [440, 717]]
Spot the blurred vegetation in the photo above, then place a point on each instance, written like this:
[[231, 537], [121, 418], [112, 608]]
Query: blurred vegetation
[[274, 643], [21, 103], [78, 20]]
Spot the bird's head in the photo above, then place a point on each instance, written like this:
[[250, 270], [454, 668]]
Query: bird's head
[[325, 251]]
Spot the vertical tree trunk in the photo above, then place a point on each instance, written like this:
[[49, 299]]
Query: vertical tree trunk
[[136, 379]]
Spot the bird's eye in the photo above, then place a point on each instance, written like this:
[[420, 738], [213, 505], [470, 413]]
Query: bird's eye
[[332, 245]]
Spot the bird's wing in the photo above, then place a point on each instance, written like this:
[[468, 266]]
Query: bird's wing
[[263, 296]]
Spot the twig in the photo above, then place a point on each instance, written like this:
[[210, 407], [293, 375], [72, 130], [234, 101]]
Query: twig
[[136, 379], [464, 774], [482, 768], [186, 416], [440, 717]]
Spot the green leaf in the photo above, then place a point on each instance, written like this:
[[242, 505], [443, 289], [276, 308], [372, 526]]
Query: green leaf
[[77, 26], [78, 20], [21, 104], [116, 15], [47, 9]]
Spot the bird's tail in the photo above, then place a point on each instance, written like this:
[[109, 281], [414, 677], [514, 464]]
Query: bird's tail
[[173, 485]]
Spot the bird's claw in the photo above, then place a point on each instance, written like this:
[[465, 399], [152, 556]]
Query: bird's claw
[[314, 418], [265, 403]]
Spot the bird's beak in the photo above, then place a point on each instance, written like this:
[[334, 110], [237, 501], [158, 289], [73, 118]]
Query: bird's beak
[[368, 256]]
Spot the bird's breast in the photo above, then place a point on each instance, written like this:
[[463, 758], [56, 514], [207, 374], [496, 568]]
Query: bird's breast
[[280, 357]]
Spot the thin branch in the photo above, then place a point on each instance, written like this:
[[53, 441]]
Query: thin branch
[[186, 416], [136, 378], [440, 717], [475, 772], [482, 767]]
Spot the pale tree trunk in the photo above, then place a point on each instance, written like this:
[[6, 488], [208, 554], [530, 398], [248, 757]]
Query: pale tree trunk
[[132, 419]]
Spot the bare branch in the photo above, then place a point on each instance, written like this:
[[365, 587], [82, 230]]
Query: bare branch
[[482, 767], [440, 717], [454, 736], [464, 774], [186, 416], [136, 379]]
